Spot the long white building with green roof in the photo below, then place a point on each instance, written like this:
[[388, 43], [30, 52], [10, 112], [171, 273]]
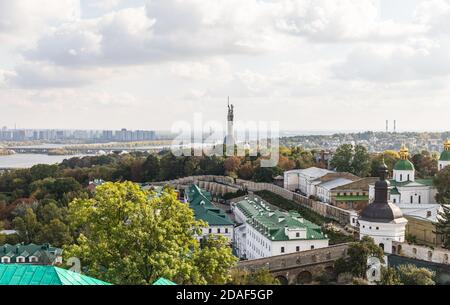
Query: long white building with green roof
[[264, 232]]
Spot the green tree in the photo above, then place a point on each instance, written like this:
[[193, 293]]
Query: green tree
[[27, 226], [342, 159], [42, 171], [426, 164], [389, 276], [215, 260], [390, 158], [412, 275], [55, 233], [128, 238], [358, 253], [442, 183], [361, 161]]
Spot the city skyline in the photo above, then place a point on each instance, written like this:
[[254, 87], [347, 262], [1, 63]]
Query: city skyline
[[329, 66]]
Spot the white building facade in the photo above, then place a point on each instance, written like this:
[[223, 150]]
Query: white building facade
[[382, 220], [265, 232]]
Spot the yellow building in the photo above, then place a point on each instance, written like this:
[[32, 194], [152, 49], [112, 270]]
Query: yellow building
[[423, 230]]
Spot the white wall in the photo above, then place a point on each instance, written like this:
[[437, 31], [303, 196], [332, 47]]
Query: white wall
[[440, 256], [443, 164], [404, 176], [259, 246], [384, 233], [225, 231]]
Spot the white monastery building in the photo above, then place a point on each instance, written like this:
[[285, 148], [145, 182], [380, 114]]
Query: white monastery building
[[382, 220], [263, 232]]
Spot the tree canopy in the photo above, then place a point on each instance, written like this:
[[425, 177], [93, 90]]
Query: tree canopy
[[128, 236]]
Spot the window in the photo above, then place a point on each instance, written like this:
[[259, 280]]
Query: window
[[218, 230], [21, 259], [297, 234], [401, 177], [297, 249], [210, 230], [414, 250], [282, 249], [312, 247], [420, 199], [412, 199], [395, 200], [226, 230], [408, 177], [5, 260], [378, 228], [33, 259], [428, 213]]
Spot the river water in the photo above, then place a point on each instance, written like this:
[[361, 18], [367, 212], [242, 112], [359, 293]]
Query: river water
[[28, 160]]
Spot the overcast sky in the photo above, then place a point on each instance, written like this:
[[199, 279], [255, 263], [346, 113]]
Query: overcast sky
[[310, 64]]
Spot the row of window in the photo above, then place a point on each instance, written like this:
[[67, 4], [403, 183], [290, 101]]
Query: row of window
[[218, 231], [370, 228], [411, 200], [352, 194], [20, 259], [297, 249]]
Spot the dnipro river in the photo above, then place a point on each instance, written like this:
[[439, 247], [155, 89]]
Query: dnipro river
[[28, 160]]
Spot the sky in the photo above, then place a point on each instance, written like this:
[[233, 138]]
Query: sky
[[327, 65]]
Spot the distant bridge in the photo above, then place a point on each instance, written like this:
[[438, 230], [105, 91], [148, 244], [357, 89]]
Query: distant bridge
[[299, 267], [76, 150]]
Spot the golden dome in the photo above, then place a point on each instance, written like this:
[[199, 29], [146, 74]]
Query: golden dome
[[404, 152], [447, 145]]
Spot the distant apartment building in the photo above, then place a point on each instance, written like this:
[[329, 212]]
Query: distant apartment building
[[218, 222], [30, 254], [264, 232]]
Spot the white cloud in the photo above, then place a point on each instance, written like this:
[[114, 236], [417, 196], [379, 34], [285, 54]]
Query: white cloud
[[22, 20], [339, 20]]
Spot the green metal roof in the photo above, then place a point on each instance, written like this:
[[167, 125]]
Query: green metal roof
[[200, 203], [445, 156], [163, 282], [272, 223], [404, 165], [395, 191], [352, 198], [22, 274], [44, 253]]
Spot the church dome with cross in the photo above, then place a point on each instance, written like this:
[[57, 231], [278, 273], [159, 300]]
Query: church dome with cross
[[404, 170]]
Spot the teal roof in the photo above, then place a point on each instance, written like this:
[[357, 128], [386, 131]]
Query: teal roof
[[395, 191], [22, 274], [200, 203], [352, 198], [163, 282], [445, 156], [404, 165], [45, 253], [273, 223]]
